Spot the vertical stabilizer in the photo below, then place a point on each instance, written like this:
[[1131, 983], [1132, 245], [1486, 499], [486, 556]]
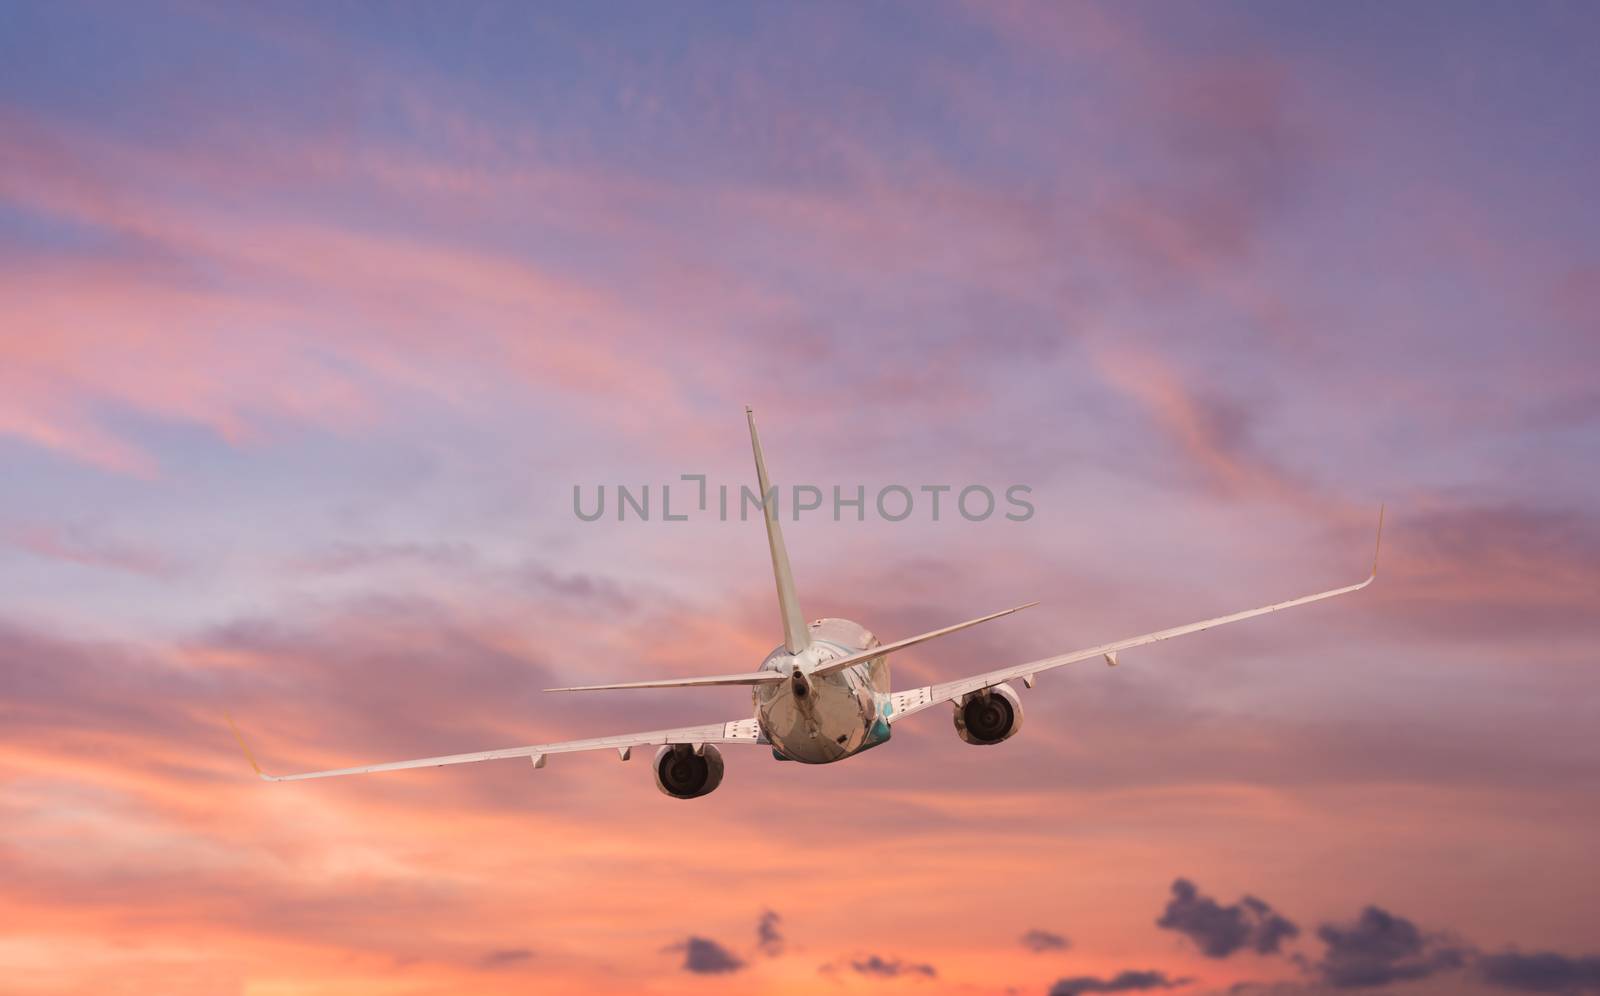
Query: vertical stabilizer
[[796, 637]]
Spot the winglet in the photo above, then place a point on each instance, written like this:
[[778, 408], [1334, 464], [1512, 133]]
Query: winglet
[[1378, 545], [245, 747]]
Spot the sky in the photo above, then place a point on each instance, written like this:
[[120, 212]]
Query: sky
[[322, 323]]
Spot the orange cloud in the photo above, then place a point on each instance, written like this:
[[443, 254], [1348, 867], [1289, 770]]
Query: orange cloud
[[231, 320], [1210, 435], [135, 833]]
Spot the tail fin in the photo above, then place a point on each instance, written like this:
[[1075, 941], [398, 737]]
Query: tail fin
[[796, 636]]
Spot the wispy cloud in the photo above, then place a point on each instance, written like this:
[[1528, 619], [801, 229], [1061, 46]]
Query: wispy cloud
[[1040, 941], [1130, 981], [80, 546]]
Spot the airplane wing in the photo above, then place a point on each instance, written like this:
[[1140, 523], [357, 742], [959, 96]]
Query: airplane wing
[[915, 700], [743, 731]]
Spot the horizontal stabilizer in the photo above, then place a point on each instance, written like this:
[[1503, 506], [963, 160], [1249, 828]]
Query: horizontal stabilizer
[[841, 663], [752, 678]]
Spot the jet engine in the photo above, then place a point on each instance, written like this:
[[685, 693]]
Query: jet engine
[[684, 774], [989, 715]]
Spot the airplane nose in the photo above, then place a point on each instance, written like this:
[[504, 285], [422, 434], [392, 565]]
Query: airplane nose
[[800, 685]]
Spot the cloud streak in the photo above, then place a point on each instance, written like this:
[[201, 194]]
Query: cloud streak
[[1039, 941], [1130, 981]]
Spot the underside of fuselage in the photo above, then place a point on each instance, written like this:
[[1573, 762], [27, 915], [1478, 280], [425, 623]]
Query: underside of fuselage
[[819, 719]]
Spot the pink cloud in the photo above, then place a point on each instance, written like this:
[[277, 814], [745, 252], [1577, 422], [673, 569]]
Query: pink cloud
[[82, 547]]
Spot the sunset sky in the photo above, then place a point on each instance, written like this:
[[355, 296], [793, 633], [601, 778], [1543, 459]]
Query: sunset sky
[[314, 317]]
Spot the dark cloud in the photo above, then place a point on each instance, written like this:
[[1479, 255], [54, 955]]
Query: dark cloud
[[1122, 982], [768, 938], [505, 957], [1380, 948], [1271, 928], [1037, 940], [886, 968], [590, 590], [1541, 972], [703, 956], [1250, 988], [1220, 930]]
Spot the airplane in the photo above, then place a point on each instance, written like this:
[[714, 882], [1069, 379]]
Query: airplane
[[824, 694]]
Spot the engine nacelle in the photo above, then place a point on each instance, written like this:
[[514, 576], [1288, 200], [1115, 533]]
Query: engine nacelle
[[683, 774], [989, 715]]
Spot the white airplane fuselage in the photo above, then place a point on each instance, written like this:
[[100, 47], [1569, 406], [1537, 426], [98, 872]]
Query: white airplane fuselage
[[818, 719]]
